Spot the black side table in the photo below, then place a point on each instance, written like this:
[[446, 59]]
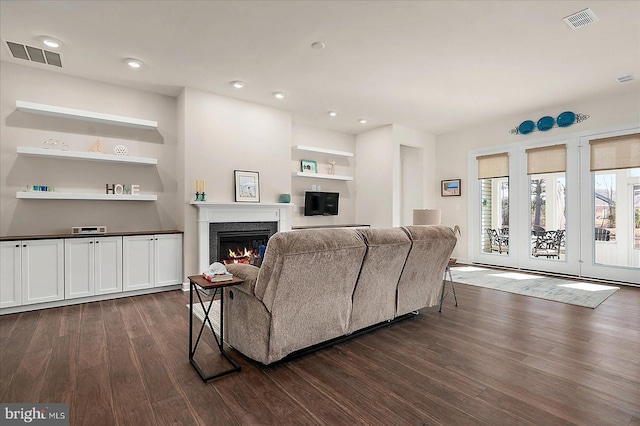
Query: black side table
[[197, 281], [444, 281]]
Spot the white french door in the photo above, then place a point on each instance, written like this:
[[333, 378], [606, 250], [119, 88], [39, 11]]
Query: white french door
[[558, 220], [610, 211]]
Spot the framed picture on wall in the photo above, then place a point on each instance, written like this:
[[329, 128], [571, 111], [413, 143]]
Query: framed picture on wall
[[450, 188], [309, 166], [247, 186]]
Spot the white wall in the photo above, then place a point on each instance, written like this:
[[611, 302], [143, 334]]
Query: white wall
[[379, 173], [221, 135], [425, 143], [374, 175], [452, 148], [411, 182], [346, 166], [32, 217]]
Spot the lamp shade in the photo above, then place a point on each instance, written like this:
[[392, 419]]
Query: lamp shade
[[426, 217]]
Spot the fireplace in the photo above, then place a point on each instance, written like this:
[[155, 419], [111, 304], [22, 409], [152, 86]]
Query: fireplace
[[239, 242], [216, 216], [241, 246]]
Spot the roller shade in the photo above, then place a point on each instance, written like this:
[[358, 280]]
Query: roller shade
[[619, 152], [493, 166], [547, 159]]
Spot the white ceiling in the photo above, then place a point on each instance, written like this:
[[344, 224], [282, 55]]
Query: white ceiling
[[435, 66]]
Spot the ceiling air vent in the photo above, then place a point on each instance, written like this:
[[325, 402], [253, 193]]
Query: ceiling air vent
[[580, 19], [34, 54], [625, 78]]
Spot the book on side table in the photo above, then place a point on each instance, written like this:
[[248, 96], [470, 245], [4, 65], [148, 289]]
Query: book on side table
[[214, 278]]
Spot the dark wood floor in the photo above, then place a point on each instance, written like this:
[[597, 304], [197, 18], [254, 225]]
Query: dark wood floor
[[497, 359]]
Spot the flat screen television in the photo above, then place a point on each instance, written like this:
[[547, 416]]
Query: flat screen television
[[321, 203]]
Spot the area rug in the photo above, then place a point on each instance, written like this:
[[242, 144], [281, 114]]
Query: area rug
[[214, 315], [578, 293]]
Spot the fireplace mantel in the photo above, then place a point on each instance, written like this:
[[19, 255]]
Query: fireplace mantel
[[217, 212]]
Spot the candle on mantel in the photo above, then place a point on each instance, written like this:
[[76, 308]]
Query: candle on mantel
[[197, 186], [203, 186]]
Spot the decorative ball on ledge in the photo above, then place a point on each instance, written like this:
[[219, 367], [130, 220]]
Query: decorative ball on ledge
[[120, 150]]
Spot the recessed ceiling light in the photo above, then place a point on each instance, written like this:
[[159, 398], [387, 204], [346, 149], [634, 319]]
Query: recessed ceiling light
[[238, 84], [318, 45], [51, 42], [332, 113], [362, 121], [278, 95], [133, 63]]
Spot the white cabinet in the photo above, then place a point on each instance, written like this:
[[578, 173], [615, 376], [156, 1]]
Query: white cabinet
[[108, 265], [168, 258], [152, 261], [42, 271], [93, 266], [138, 262], [39, 271], [10, 274]]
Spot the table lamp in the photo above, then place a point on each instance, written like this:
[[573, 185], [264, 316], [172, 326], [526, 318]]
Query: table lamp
[[426, 217]]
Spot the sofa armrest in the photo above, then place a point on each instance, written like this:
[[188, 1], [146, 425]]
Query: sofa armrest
[[248, 273]]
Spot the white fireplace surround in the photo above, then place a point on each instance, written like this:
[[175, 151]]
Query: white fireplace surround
[[218, 212]]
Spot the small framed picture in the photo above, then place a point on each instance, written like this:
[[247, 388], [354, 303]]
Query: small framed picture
[[247, 186], [309, 166], [450, 188]]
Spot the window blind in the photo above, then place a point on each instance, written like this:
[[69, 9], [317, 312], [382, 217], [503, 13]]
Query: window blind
[[619, 152], [547, 159], [493, 166]]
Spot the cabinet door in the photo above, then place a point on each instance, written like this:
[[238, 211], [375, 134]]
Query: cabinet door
[[108, 265], [42, 271], [168, 259], [78, 268], [10, 287], [138, 262]]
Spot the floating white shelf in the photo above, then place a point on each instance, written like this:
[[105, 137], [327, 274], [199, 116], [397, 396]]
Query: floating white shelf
[[91, 156], [323, 151], [44, 195], [321, 176], [237, 204], [78, 114]]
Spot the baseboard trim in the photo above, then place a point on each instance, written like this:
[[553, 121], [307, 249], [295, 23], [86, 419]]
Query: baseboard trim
[[99, 298]]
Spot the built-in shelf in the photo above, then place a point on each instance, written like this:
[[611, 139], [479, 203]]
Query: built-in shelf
[[238, 204], [78, 114], [321, 176], [323, 151], [46, 195], [79, 155]]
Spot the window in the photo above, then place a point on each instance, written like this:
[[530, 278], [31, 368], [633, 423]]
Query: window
[[546, 168], [615, 167], [493, 176]]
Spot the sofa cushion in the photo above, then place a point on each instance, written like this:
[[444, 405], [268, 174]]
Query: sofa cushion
[[248, 273], [306, 283], [374, 298], [421, 280]]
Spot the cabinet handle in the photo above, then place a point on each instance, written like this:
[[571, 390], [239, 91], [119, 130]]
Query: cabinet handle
[[17, 245], [97, 242], [90, 242], [24, 245]]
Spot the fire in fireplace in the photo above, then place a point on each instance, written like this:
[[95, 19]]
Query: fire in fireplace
[[241, 246]]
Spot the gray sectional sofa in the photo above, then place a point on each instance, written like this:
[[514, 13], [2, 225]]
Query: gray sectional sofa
[[320, 284]]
